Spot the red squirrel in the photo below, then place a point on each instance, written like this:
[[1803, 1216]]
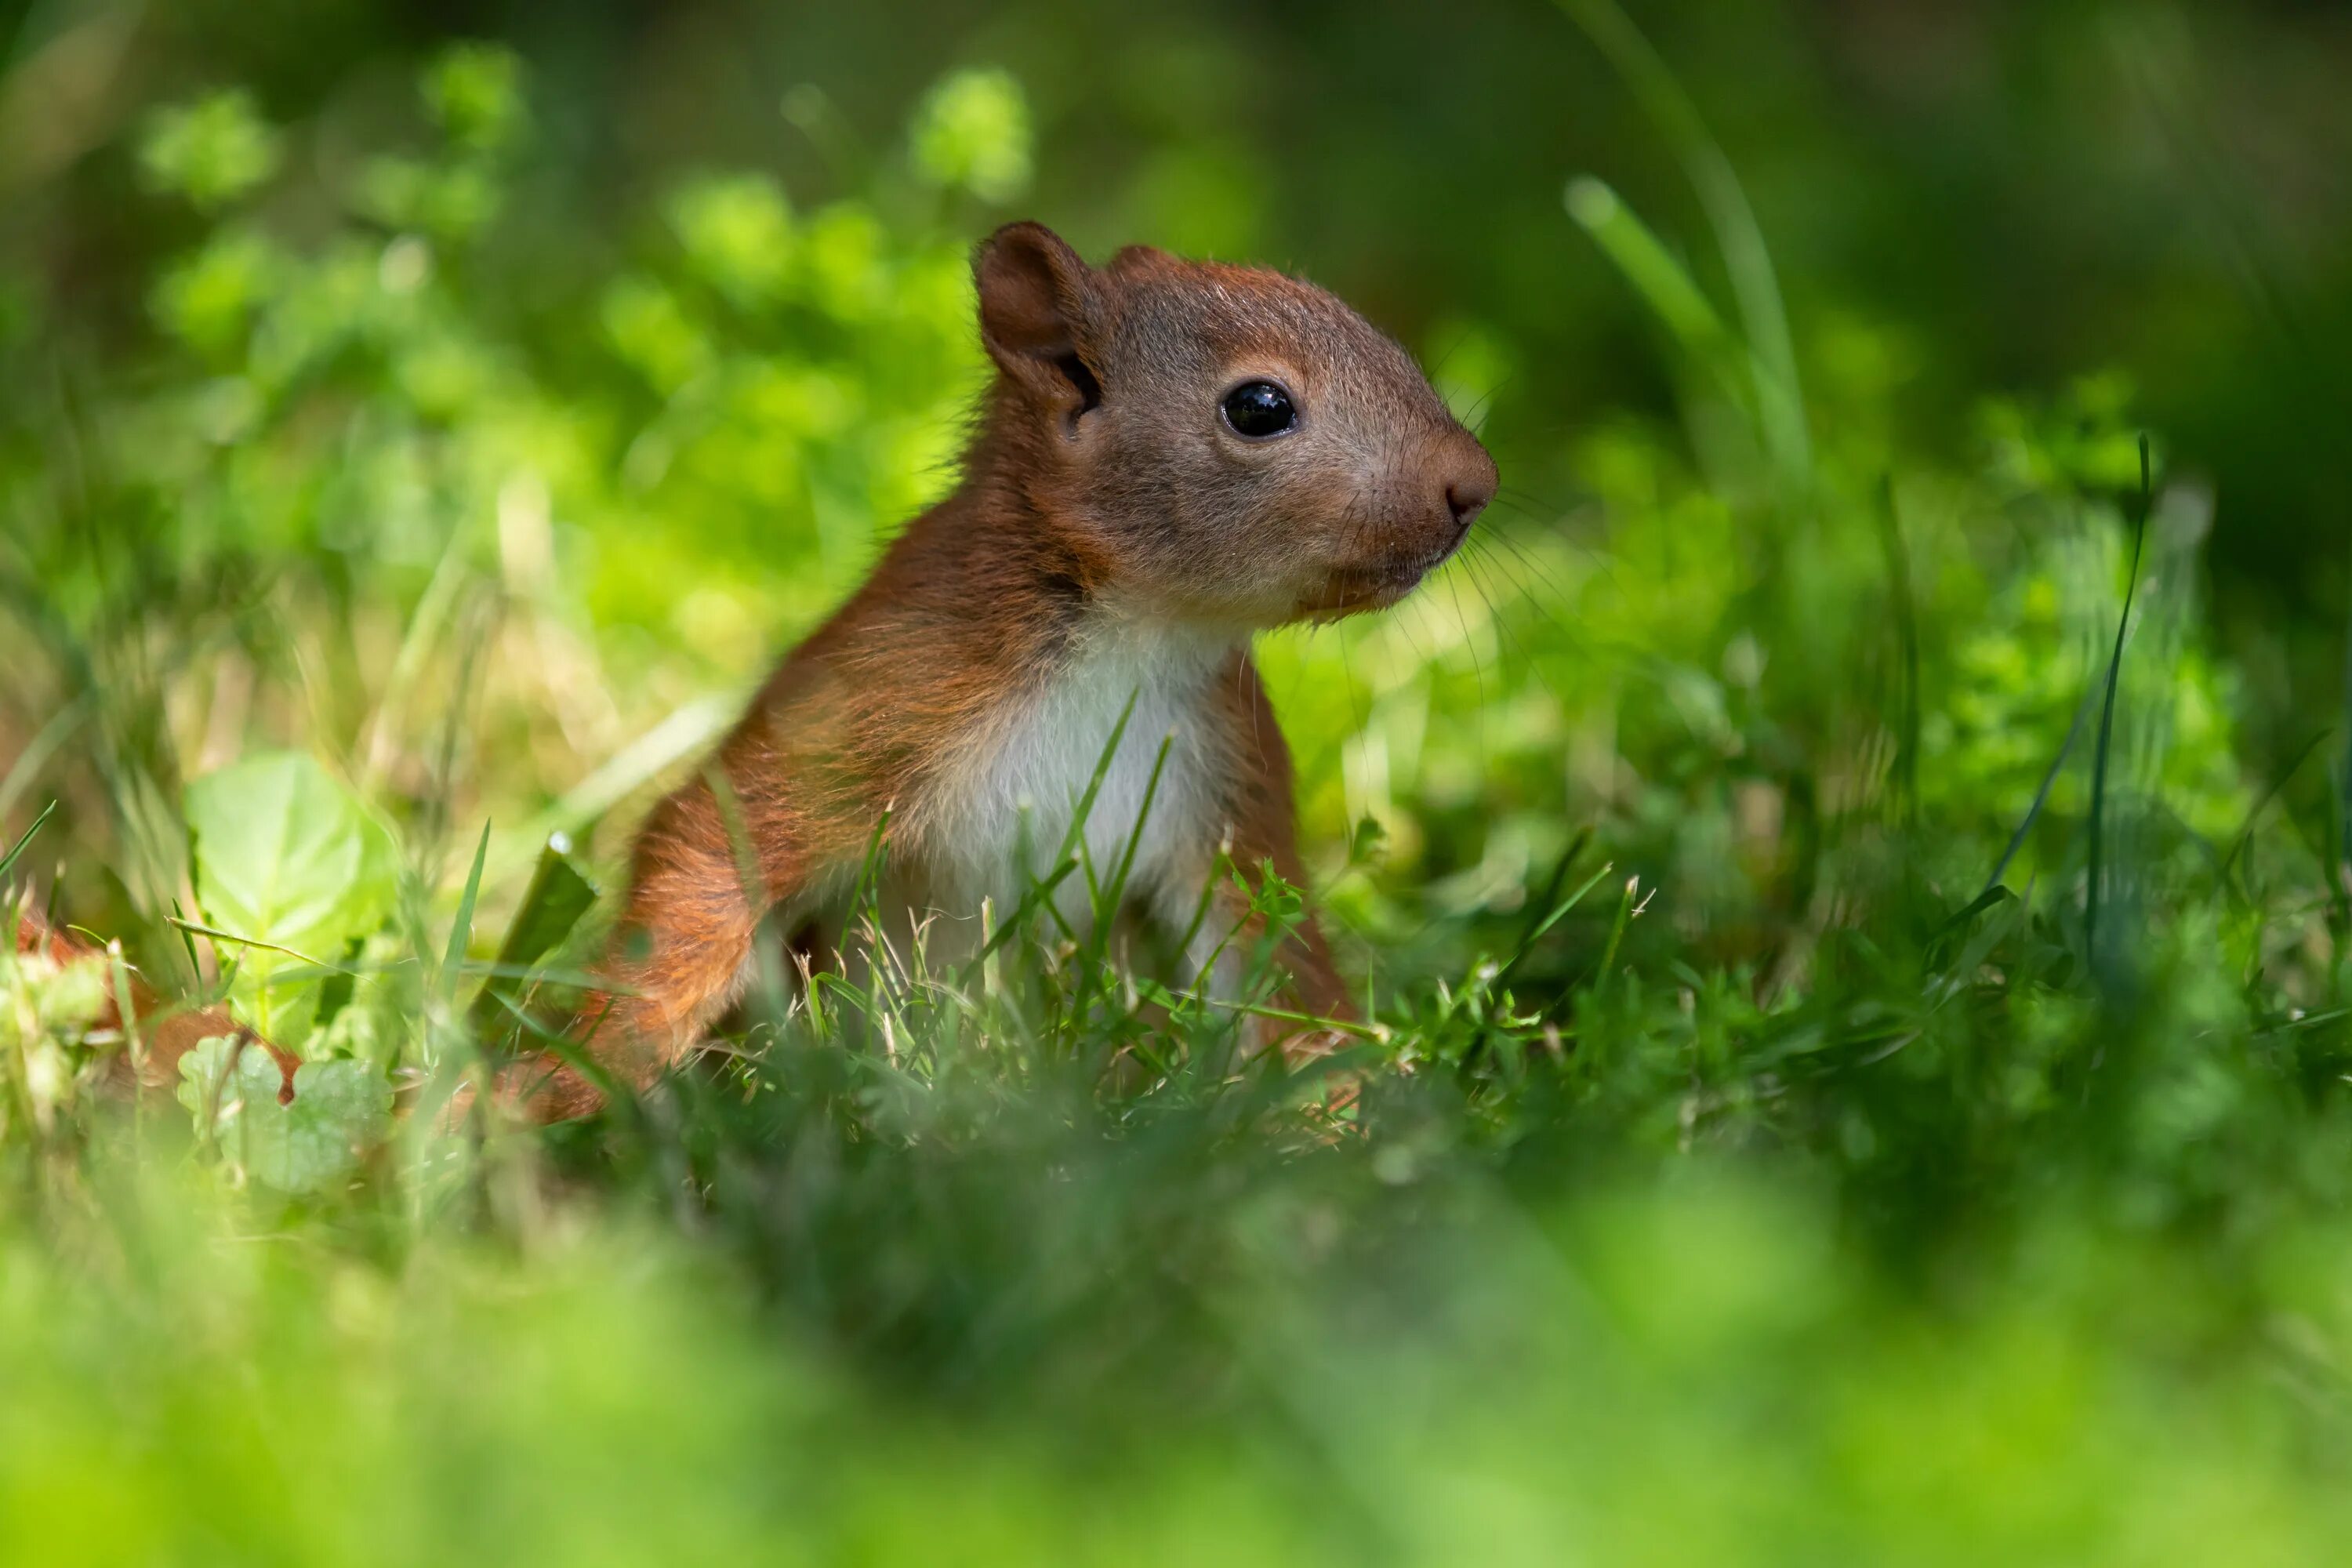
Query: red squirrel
[[1172, 456]]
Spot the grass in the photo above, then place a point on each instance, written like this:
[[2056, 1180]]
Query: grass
[[1813, 1107]]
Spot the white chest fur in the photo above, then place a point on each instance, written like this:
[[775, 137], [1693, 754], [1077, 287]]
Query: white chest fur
[[1003, 809]]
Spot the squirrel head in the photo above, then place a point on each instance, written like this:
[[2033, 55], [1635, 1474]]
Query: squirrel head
[[1226, 444]]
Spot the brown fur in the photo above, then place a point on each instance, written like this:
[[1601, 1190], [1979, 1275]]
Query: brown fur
[[1102, 485]]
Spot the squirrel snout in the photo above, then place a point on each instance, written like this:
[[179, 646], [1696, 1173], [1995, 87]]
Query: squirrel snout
[[1468, 497], [1469, 487]]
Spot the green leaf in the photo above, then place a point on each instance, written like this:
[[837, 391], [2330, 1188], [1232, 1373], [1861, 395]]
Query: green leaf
[[287, 856], [736, 231], [339, 1111], [973, 132], [212, 151], [474, 92]]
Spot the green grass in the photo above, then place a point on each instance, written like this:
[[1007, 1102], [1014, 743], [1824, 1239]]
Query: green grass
[[1827, 1099]]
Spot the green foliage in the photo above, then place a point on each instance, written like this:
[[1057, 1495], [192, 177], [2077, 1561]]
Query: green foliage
[[49, 1041], [295, 870], [307, 1142], [475, 94], [736, 233], [210, 152], [972, 133]]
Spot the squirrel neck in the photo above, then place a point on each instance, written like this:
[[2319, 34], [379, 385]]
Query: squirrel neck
[[1020, 539]]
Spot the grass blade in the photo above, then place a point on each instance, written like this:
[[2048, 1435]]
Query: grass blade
[[2108, 721], [1740, 239], [214, 934], [552, 904], [45, 745], [2243, 838], [461, 930], [1626, 910], [1662, 282], [2042, 794], [2340, 872], [1075, 840], [9, 861], [1906, 626]]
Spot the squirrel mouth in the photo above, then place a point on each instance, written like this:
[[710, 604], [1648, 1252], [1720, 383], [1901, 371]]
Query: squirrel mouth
[[1351, 590]]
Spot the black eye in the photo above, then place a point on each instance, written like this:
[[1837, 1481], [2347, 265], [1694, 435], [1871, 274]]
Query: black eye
[[1258, 409]]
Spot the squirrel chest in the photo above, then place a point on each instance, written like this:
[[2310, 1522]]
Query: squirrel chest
[[1001, 807]]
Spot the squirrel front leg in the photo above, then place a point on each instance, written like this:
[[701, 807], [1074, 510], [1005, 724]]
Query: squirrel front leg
[[677, 954], [1265, 826], [694, 908]]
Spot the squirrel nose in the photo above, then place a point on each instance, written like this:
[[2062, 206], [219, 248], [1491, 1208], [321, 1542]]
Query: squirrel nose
[[1468, 491]]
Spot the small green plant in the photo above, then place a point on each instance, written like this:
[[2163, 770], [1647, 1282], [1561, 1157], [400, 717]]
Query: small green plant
[[50, 1038]]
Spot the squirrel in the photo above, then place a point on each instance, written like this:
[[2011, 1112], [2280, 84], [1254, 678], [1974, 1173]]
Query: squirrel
[[1171, 457]]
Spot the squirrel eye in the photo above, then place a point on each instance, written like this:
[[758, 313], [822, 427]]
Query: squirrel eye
[[1258, 409]]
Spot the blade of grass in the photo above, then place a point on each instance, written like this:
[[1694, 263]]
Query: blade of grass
[[434, 609], [1626, 911], [9, 861], [1375, 1032], [1040, 890], [2245, 834], [1970, 911], [214, 934], [1661, 280], [37, 752], [461, 930], [1955, 973], [2042, 794], [2333, 855], [1071, 856], [552, 904], [1107, 897], [683, 733], [187, 941], [134, 1040], [1556, 908], [1907, 626], [865, 893], [572, 1053], [1074, 839], [2341, 873], [1738, 234], [2107, 720]]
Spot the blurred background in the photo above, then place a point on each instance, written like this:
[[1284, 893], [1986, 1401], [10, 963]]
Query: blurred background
[[1982, 195]]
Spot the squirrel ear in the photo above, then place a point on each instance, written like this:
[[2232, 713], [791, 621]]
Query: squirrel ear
[[1036, 315]]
